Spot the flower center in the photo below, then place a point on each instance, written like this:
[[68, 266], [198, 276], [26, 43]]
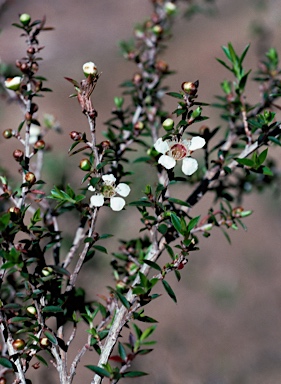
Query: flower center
[[108, 191], [178, 151]]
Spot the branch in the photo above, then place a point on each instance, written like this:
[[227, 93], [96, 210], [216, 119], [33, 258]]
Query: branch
[[216, 173]]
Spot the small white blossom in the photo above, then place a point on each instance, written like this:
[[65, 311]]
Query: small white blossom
[[174, 150], [13, 83], [109, 190], [90, 68], [34, 132]]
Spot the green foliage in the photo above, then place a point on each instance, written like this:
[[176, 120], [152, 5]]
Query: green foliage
[[39, 272]]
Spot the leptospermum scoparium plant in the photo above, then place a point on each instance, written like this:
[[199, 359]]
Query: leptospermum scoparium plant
[[40, 278]]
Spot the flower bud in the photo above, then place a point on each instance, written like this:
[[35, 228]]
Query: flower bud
[[13, 83], [162, 66], [8, 133], [18, 344], [120, 285], [25, 18], [90, 69], [157, 30], [47, 271], [24, 67], [34, 67], [18, 155], [138, 126], [190, 88], [168, 124], [131, 268], [31, 310], [85, 165], [75, 136], [30, 51], [14, 213], [3, 380], [44, 342], [30, 177], [95, 236], [170, 8], [40, 144], [137, 79]]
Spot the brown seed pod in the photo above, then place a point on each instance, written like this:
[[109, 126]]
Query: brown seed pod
[[18, 344], [18, 155], [30, 177]]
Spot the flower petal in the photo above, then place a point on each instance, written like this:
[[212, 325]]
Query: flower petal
[[196, 143], [117, 203], [91, 188], [34, 133], [189, 166], [167, 161], [161, 146], [109, 179], [97, 200], [123, 189]]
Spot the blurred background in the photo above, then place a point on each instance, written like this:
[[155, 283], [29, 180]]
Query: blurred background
[[226, 326]]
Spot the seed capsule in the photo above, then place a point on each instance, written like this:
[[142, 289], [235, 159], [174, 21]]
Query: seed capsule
[[85, 165], [18, 155], [18, 344], [8, 133]]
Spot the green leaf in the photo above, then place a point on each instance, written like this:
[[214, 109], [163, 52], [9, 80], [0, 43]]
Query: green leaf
[[100, 248], [122, 352], [19, 319], [224, 64], [176, 222], [147, 332], [52, 308], [4, 221], [247, 162], [43, 361], [143, 159], [134, 374], [51, 337], [193, 222], [141, 203], [6, 363], [262, 156], [153, 265], [175, 94], [123, 300], [13, 306], [98, 370], [178, 201], [169, 290], [244, 54], [163, 228], [267, 171], [274, 140], [143, 280]]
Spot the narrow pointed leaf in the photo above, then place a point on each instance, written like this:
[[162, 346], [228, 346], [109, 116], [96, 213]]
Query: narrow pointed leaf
[[134, 374], [169, 290], [98, 370]]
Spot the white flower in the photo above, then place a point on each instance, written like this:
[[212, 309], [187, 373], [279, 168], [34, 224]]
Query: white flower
[[108, 190], [174, 150], [90, 68], [34, 132], [13, 83]]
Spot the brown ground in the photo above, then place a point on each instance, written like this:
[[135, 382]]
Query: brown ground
[[226, 327]]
